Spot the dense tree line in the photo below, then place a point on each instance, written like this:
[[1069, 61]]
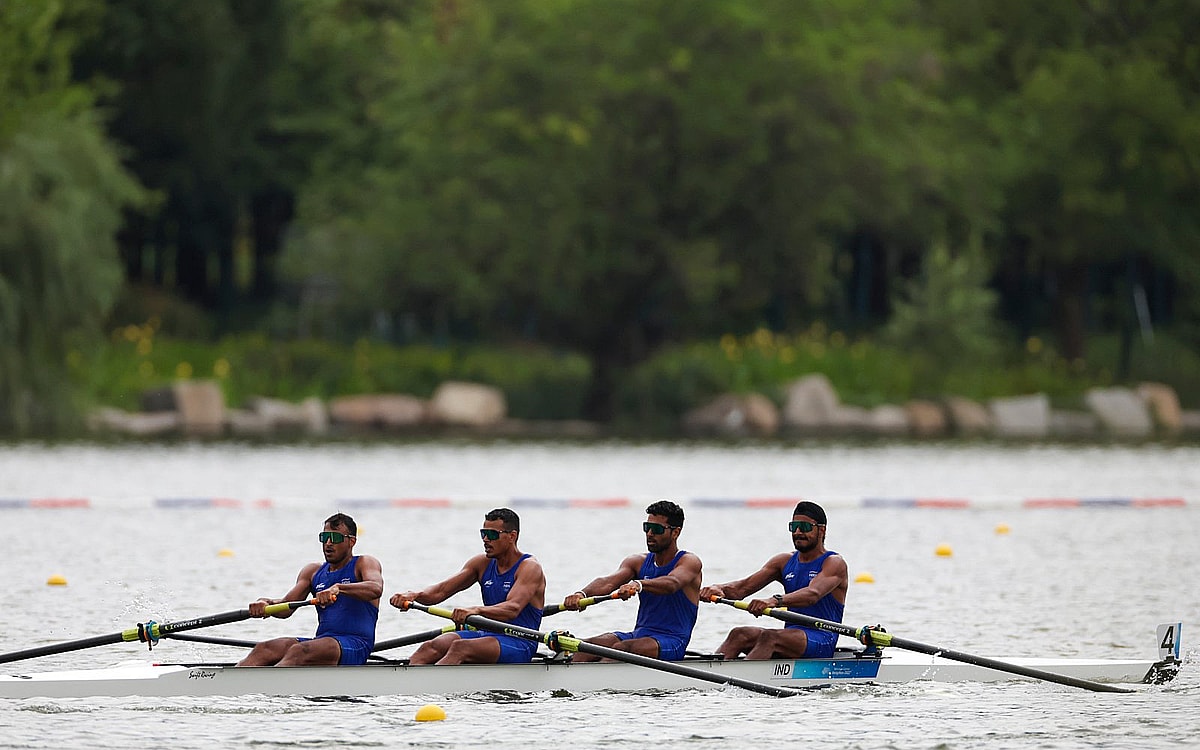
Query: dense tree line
[[611, 175]]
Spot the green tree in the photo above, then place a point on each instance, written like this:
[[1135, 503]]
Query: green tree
[[62, 189], [612, 175]]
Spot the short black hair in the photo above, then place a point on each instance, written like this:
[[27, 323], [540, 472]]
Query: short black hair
[[812, 510], [667, 509], [512, 522], [341, 519]]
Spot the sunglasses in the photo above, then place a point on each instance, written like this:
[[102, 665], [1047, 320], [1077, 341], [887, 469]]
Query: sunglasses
[[490, 534], [656, 528], [805, 526], [336, 537]]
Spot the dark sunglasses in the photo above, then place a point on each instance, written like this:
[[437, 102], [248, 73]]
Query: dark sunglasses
[[336, 537], [656, 528], [490, 534], [805, 526]]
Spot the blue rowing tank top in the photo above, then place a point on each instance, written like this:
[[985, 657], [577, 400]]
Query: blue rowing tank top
[[796, 575], [670, 614], [496, 585], [347, 615]]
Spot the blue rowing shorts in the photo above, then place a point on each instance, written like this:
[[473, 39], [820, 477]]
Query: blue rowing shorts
[[513, 650], [670, 648], [355, 649]]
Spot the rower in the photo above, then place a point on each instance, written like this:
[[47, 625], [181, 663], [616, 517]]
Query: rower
[[666, 580], [815, 581]]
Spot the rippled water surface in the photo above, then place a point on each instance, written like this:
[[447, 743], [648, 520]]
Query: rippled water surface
[[1072, 581]]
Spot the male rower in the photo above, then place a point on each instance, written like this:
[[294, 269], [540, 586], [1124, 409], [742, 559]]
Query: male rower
[[514, 591], [814, 581], [346, 589], [666, 580]]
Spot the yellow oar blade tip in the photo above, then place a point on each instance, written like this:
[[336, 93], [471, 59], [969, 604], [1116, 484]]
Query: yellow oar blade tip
[[944, 550], [430, 712], [56, 580], [225, 552], [864, 577]]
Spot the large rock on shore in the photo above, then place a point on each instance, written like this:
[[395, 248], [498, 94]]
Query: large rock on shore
[[468, 404], [968, 417], [384, 410], [734, 415], [1121, 411], [201, 407], [1163, 403], [1021, 416], [809, 403]]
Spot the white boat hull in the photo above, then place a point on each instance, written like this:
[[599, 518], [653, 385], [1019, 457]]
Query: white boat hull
[[895, 666]]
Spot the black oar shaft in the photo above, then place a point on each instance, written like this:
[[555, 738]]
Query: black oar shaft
[[148, 631], [574, 644], [408, 640], [887, 639]]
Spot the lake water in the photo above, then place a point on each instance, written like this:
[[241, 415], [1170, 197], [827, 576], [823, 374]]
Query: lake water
[[1092, 580]]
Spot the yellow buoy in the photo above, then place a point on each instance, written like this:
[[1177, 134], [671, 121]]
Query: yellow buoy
[[943, 550], [864, 578], [1002, 528], [56, 580], [226, 552], [431, 712]]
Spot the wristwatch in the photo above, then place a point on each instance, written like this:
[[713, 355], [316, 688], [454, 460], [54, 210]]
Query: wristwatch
[[778, 600]]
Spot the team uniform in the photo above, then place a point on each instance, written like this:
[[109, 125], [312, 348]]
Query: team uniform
[[349, 621], [495, 586], [667, 618], [796, 575]]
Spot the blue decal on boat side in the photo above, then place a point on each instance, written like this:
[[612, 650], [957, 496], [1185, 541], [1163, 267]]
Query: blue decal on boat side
[[828, 669]]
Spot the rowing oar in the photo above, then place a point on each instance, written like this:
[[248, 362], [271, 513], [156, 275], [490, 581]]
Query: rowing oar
[[148, 632], [585, 602], [560, 641], [881, 638], [406, 640]]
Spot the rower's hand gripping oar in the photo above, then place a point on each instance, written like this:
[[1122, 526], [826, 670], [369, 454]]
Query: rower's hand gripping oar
[[562, 641], [148, 632], [878, 637], [584, 603]]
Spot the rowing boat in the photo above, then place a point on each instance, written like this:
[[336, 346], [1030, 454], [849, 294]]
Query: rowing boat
[[554, 673]]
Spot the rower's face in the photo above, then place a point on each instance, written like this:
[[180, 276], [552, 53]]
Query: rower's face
[[660, 535], [337, 543], [806, 533], [496, 541]]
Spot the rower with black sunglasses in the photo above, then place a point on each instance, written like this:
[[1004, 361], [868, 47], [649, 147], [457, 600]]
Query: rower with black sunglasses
[[346, 589], [815, 581], [514, 591], [667, 582]]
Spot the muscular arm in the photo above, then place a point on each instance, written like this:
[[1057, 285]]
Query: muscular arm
[[369, 587], [627, 571], [443, 590], [832, 579], [772, 570], [529, 587], [300, 590]]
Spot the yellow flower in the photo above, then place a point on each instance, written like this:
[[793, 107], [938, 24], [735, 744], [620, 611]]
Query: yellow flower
[[221, 368], [1033, 345], [183, 370]]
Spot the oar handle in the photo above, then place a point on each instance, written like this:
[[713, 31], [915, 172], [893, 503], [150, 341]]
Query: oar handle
[[584, 603], [879, 637]]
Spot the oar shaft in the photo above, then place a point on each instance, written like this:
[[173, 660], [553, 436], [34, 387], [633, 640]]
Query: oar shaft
[[881, 638], [571, 643], [408, 640], [151, 631]]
